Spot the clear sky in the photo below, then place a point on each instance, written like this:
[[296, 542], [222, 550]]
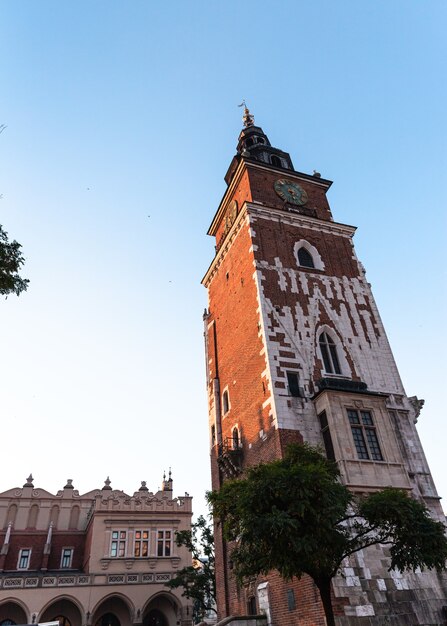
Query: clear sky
[[121, 121]]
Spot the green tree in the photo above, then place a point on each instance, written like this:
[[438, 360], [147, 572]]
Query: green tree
[[197, 580], [11, 260], [294, 516]]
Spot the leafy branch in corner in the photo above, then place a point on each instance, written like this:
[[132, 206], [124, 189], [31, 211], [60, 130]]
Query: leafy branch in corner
[[11, 260], [197, 580]]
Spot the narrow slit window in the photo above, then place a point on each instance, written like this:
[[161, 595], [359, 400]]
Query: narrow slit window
[[225, 402], [235, 439], [326, 433]]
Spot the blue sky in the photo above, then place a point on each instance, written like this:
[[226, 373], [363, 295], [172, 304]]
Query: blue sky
[[121, 121]]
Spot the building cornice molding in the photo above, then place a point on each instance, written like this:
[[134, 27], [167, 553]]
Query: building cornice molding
[[298, 219]]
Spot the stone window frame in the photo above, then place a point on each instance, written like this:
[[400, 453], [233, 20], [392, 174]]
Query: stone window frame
[[312, 250], [141, 541], [118, 540], [369, 433], [164, 542], [64, 553], [22, 556]]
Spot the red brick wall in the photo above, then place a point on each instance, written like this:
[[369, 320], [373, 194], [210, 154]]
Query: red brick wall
[[233, 307], [262, 189], [36, 541]]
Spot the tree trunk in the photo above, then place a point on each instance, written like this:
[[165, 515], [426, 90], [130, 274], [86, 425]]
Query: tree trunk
[[324, 587]]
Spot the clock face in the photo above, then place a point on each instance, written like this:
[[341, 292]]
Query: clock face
[[290, 191]]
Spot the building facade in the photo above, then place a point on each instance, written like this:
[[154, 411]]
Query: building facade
[[296, 351], [97, 559]]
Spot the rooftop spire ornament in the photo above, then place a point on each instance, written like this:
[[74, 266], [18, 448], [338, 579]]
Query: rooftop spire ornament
[[247, 118]]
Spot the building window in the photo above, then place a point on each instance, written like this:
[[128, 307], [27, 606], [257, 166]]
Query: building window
[[291, 600], [329, 354], [164, 542], [364, 435], [293, 383], [66, 557], [305, 258], [24, 558], [118, 544], [251, 606], [225, 402], [235, 440], [307, 255], [141, 546], [326, 433], [276, 161], [7, 622]]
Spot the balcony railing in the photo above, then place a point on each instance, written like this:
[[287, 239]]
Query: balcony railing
[[229, 457]]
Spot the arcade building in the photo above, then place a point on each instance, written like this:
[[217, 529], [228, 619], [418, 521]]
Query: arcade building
[[296, 351], [97, 559]]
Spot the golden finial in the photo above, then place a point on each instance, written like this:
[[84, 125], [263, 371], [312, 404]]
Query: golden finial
[[247, 118]]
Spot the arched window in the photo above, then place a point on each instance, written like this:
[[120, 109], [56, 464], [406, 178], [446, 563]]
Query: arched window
[[329, 354], [235, 439], [261, 140], [7, 622], [305, 258], [276, 161], [307, 255], [249, 142], [225, 402]]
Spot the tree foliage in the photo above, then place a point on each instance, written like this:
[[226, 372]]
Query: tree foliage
[[11, 260], [197, 580], [294, 515]]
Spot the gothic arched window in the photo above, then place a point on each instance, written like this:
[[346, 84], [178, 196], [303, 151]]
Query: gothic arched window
[[305, 258], [276, 161], [235, 439], [225, 402], [329, 353]]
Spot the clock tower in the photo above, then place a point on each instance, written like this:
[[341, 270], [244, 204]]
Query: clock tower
[[296, 351]]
